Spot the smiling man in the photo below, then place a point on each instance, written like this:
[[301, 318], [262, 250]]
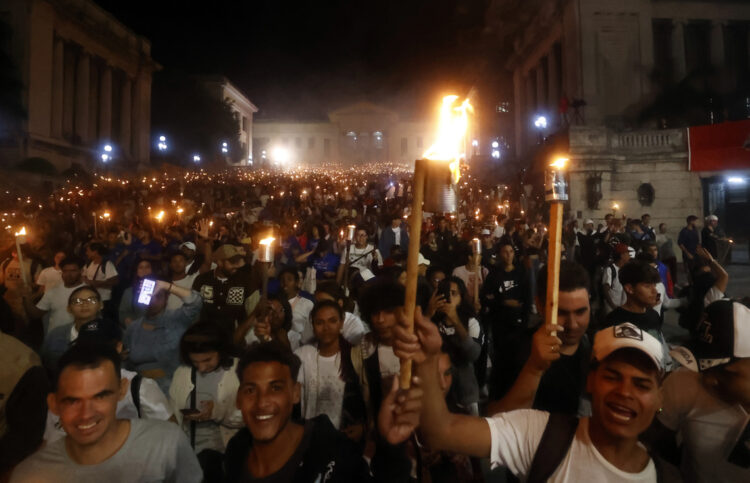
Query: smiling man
[[98, 446], [625, 386], [272, 447], [544, 372]]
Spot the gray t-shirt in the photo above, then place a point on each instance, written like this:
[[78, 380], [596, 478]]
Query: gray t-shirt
[[154, 451]]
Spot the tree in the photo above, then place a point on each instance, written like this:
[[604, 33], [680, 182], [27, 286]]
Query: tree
[[194, 121]]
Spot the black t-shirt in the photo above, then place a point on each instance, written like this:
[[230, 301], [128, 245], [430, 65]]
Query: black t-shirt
[[648, 321], [561, 387], [224, 300], [498, 287]]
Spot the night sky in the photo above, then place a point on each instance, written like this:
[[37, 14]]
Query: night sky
[[298, 60]]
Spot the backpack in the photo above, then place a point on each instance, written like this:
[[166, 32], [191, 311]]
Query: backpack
[[556, 441]]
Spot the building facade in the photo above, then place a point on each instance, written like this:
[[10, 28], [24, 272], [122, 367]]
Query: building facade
[[243, 111], [586, 66], [87, 84], [355, 134]]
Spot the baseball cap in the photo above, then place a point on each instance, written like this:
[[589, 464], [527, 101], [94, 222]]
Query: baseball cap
[[485, 231], [712, 218], [421, 260], [628, 336], [588, 221], [99, 330], [228, 252], [723, 335], [189, 245]]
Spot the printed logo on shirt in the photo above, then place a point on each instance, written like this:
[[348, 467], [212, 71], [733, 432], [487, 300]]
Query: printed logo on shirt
[[704, 330], [207, 293], [506, 286], [628, 331], [236, 295]]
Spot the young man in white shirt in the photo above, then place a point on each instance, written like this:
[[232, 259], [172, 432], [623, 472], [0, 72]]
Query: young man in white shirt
[[289, 280], [707, 401], [625, 387], [55, 300], [51, 276]]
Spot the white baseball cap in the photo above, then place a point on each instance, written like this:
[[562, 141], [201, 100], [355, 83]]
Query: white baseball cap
[[421, 260], [189, 245], [628, 336]]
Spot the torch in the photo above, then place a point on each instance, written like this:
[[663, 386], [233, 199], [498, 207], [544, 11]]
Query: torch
[[20, 240], [555, 192], [435, 184], [349, 238], [266, 257]]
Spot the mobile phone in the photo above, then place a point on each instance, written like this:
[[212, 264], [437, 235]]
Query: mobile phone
[[189, 412], [146, 291]]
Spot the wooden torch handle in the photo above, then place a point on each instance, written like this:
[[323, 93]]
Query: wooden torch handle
[[553, 262], [412, 269]]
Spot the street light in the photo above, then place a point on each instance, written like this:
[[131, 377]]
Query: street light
[[540, 122], [162, 144], [196, 158], [224, 147], [106, 155], [495, 144], [496, 154]]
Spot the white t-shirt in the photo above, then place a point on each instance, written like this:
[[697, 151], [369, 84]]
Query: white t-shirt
[[363, 256], [301, 324], [49, 278], [389, 363], [154, 405], [322, 387], [617, 293], [708, 427], [55, 301], [499, 232], [174, 302], [469, 277], [516, 436], [93, 271]]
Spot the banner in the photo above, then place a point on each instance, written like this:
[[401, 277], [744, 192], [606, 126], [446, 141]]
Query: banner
[[719, 147]]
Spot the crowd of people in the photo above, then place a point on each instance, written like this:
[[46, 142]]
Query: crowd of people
[[148, 336]]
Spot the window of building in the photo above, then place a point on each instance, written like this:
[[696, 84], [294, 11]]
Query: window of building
[[245, 123], [351, 139], [503, 107], [737, 51], [377, 139], [297, 143], [404, 146], [326, 146], [310, 143], [662, 31]]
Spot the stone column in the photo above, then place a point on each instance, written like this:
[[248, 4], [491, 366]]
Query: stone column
[[69, 84], [141, 130], [553, 89], [125, 118], [717, 43], [519, 113], [94, 103], [678, 49], [58, 82], [541, 87], [82, 97], [105, 102]]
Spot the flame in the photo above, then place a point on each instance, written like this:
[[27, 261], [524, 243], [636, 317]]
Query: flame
[[159, 215], [267, 241], [22, 232], [106, 214], [615, 206], [451, 133], [559, 163]]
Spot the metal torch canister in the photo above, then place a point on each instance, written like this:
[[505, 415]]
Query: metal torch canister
[[266, 252], [555, 186], [350, 234], [477, 244]]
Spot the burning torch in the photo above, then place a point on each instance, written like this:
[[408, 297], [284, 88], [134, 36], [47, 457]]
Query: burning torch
[[555, 192]]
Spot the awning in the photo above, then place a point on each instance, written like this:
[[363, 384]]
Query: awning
[[719, 147]]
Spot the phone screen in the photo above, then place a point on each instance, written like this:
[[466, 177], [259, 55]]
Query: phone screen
[[147, 289]]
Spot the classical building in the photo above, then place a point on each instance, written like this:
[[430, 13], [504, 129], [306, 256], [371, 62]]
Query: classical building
[[355, 134], [87, 83], [243, 110], [581, 68]]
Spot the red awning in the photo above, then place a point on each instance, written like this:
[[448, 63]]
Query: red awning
[[719, 147]]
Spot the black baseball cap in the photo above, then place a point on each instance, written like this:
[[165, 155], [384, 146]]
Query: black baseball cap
[[100, 330]]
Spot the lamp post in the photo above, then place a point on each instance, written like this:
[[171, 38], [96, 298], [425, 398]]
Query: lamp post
[[555, 192]]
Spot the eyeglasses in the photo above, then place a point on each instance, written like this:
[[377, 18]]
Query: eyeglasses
[[90, 300]]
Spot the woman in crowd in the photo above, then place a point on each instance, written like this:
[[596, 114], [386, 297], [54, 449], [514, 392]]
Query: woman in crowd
[[329, 384], [461, 340], [203, 393]]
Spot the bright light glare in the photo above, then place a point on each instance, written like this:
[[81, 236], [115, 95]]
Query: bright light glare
[[108, 148], [736, 180], [280, 155], [196, 158], [540, 122], [105, 157], [495, 144], [475, 143], [496, 154], [162, 138]]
